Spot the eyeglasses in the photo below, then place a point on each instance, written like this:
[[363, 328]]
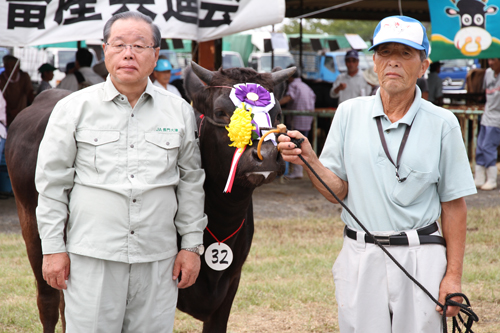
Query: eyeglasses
[[135, 48]]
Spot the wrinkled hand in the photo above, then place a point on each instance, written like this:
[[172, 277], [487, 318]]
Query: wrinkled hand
[[288, 150], [189, 264], [55, 269], [449, 285]]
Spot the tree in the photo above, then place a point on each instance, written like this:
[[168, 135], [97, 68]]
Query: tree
[[331, 27]]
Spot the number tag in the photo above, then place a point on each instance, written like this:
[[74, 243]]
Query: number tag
[[218, 256]]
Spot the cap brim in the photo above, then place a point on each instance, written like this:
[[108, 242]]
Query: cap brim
[[400, 41]]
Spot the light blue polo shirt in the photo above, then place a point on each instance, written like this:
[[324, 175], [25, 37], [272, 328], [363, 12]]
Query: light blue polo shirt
[[434, 161]]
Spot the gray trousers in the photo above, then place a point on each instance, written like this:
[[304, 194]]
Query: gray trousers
[[113, 297], [374, 295]]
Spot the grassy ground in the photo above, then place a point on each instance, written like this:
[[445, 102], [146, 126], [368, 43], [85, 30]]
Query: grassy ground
[[286, 285]]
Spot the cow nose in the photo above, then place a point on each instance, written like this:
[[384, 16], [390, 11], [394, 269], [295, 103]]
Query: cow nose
[[268, 151]]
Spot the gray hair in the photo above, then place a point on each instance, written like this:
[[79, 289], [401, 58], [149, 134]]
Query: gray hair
[[135, 16]]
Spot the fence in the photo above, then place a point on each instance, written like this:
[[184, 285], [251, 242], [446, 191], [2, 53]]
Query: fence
[[468, 118]]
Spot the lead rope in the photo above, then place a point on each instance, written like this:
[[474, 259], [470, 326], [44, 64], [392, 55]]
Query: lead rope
[[465, 308]]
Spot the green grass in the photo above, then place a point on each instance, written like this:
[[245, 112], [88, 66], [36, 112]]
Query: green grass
[[286, 285]]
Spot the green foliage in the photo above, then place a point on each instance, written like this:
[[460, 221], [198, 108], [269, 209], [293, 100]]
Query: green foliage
[[331, 27]]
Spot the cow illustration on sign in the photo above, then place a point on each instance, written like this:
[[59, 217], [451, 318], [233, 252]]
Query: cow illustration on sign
[[472, 38]]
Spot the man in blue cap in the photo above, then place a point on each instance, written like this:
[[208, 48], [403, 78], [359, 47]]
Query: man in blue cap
[[398, 183], [162, 74], [351, 84]]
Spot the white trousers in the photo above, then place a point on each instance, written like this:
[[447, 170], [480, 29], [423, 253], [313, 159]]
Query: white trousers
[[374, 295], [113, 297]]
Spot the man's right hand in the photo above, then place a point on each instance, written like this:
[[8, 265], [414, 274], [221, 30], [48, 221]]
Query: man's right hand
[[340, 87], [55, 269], [290, 153]]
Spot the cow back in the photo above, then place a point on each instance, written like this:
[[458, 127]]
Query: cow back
[[24, 137]]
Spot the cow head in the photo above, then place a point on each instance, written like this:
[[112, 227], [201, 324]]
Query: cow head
[[214, 102], [472, 38]]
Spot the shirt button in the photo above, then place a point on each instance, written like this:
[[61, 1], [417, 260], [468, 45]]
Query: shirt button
[[131, 176], [95, 140], [132, 232], [132, 115], [131, 146], [168, 143], [122, 99], [134, 200]]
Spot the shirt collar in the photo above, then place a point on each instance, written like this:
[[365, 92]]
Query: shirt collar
[[378, 108], [110, 91]]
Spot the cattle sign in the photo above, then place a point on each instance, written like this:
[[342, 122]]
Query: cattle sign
[[464, 29], [36, 22]]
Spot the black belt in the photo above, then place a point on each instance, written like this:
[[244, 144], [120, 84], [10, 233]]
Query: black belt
[[424, 235]]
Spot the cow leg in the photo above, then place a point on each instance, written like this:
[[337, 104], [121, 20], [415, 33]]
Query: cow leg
[[218, 320], [47, 297]]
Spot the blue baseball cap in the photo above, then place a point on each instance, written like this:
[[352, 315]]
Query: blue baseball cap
[[401, 29], [163, 65], [352, 54]]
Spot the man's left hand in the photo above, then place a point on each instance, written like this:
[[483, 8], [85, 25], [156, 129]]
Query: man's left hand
[[449, 285], [189, 264]]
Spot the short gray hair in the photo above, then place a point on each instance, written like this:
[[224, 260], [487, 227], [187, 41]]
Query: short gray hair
[[135, 16]]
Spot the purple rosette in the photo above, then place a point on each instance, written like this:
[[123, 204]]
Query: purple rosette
[[253, 94]]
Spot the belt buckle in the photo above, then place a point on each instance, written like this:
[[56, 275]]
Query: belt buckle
[[383, 240]]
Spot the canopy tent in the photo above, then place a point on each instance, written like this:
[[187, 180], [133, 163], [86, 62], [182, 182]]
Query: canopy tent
[[451, 38], [358, 9]]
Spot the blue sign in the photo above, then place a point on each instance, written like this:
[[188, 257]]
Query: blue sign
[[464, 29]]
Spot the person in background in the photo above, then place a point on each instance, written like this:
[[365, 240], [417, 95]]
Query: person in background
[[435, 84], [351, 84], [301, 97], [372, 79], [115, 192], [489, 132], [397, 199], [424, 87], [162, 74], [83, 75], [70, 68], [3, 123], [19, 92], [100, 69], [47, 73]]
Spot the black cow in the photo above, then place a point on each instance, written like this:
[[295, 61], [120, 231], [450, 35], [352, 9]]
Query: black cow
[[472, 37], [210, 299]]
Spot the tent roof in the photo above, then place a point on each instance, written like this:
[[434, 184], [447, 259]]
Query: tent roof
[[362, 10]]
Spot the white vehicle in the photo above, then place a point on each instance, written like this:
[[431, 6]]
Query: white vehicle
[[262, 62], [231, 59]]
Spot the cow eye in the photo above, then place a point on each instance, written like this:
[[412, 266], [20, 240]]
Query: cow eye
[[478, 19], [466, 19], [221, 114]]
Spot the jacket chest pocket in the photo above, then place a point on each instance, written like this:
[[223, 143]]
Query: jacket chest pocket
[[97, 156], [162, 151]]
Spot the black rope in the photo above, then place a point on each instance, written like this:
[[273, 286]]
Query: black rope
[[465, 308]]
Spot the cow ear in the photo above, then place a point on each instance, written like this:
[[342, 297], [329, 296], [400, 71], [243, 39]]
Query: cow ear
[[279, 79], [192, 83]]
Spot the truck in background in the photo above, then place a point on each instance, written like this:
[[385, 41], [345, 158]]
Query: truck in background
[[454, 72], [231, 59], [261, 61]]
